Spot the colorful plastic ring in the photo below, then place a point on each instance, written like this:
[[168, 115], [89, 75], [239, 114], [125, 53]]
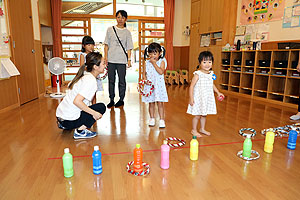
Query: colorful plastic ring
[[179, 144], [275, 130], [240, 155], [142, 173], [105, 74], [141, 84], [241, 132]]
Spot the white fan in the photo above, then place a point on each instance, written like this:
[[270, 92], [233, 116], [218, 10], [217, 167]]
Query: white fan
[[57, 66]]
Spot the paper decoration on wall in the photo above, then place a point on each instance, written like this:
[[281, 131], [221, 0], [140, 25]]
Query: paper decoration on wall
[[291, 17], [259, 11], [7, 68], [240, 30]]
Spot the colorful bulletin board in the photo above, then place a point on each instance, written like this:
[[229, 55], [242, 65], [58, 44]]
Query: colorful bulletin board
[[259, 11], [4, 39], [291, 17]]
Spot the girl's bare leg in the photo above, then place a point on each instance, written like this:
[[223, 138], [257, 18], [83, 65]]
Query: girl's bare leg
[[202, 123], [194, 126], [161, 110], [152, 109]]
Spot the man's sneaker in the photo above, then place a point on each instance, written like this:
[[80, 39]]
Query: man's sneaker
[[60, 126], [84, 134], [119, 103], [295, 117], [162, 123], [152, 122], [111, 104]]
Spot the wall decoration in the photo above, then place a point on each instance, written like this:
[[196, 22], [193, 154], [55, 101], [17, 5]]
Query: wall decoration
[[291, 17], [4, 38], [259, 11]]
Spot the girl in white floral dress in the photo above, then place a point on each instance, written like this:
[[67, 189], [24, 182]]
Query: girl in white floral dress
[[202, 100], [154, 72]]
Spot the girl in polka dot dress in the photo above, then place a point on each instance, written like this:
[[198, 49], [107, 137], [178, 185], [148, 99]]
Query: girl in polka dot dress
[[202, 100], [154, 72]]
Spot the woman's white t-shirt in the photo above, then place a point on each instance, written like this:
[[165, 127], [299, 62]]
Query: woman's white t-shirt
[[86, 87]]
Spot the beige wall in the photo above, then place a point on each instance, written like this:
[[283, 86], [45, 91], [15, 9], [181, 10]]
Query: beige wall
[[35, 19], [182, 19], [277, 33]]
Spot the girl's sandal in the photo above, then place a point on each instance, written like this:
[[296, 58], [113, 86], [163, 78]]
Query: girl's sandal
[[195, 133]]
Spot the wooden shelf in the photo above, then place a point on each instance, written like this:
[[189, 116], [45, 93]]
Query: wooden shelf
[[263, 82]]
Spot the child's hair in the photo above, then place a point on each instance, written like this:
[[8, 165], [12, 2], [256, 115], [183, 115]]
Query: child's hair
[[155, 47], [85, 41], [205, 55], [123, 13], [92, 58]]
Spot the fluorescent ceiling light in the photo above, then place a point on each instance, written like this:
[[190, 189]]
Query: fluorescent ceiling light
[[78, 11]]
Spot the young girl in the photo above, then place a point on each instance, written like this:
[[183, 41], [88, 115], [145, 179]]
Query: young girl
[[202, 100], [154, 72], [73, 112], [88, 45]]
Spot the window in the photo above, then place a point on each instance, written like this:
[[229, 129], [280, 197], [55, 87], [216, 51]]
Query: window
[[150, 8]]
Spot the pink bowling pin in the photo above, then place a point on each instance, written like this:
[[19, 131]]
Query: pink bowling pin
[[164, 159]]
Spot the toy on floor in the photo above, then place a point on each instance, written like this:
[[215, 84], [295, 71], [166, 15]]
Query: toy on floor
[[68, 163], [142, 173], [246, 153], [140, 87], [194, 148], [245, 131], [97, 163], [283, 130], [292, 139], [138, 164], [269, 141], [165, 154], [179, 144]]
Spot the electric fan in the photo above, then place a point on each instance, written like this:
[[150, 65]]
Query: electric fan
[[57, 66]]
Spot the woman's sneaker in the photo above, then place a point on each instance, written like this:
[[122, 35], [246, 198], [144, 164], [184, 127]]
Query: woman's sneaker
[[84, 134]]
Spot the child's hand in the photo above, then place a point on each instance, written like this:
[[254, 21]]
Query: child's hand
[[220, 96], [152, 60], [191, 102]]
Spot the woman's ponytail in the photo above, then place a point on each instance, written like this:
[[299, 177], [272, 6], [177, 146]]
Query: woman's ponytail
[[78, 76]]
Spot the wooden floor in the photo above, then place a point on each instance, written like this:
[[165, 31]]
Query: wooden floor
[[31, 145]]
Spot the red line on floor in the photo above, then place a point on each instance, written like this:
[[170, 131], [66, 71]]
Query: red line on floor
[[151, 150]]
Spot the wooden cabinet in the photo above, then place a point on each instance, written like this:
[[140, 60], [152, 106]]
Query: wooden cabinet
[[267, 75], [195, 12], [216, 17], [211, 15], [216, 51], [205, 16], [194, 48]]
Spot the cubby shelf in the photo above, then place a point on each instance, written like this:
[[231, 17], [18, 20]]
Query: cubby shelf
[[268, 74]]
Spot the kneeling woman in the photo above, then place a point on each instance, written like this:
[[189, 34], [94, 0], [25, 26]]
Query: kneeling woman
[[73, 112]]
